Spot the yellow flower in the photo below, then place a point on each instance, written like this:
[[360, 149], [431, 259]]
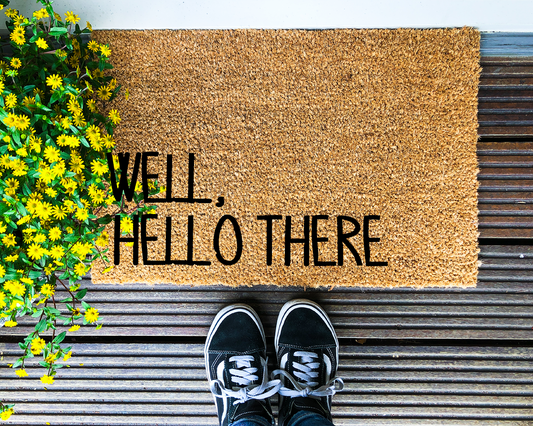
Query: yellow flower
[[114, 116], [70, 17], [41, 238], [10, 323], [92, 133], [35, 252], [37, 345], [47, 290], [35, 144], [2, 274], [99, 168], [11, 185], [52, 154], [22, 152], [19, 20], [59, 169], [79, 120], [104, 93], [41, 43], [12, 258], [92, 105], [54, 233], [47, 380], [9, 240], [15, 288], [73, 141], [106, 51], [126, 224], [32, 205], [40, 14], [68, 354], [108, 141], [21, 373], [51, 192], [54, 81], [16, 63], [44, 210], [93, 45], [59, 212], [51, 357], [103, 239], [11, 100], [81, 214], [11, 13], [57, 252], [80, 269], [10, 121], [18, 36], [5, 415], [22, 122], [66, 122], [89, 26], [74, 328], [91, 315]]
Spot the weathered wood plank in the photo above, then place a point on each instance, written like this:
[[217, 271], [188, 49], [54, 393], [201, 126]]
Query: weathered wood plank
[[102, 385], [98, 350]]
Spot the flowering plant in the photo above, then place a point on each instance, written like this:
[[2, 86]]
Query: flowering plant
[[55, 131]]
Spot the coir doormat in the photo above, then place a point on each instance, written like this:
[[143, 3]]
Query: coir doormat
[[314, 158]]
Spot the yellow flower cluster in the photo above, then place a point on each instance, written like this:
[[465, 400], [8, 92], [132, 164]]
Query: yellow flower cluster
[[17, 35], [47, 290], [47, 380], [41, 14], [37, 345], [16, 288], [5, 415]]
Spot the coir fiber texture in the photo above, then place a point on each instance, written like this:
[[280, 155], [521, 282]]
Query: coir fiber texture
[[304, 134]]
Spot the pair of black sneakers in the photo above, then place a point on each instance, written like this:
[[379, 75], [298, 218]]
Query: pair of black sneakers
[[307, 351]]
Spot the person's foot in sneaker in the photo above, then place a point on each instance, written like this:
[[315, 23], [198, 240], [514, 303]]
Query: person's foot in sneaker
[[236, 365], [307, 350]]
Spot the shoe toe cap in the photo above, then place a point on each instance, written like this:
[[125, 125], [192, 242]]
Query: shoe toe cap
[[305, 328], [237, 333]]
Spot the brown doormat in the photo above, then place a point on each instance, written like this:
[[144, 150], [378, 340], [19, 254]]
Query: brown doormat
[[344, 157]]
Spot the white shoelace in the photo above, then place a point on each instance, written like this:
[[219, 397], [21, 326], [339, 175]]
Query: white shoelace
[[307, 372], [244, 375]]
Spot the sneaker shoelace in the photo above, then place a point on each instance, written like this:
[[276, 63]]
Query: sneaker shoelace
[[244, 375], [307, 372]]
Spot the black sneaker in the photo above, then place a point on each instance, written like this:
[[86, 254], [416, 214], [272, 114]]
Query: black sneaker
[[236, 365], [307, 349]]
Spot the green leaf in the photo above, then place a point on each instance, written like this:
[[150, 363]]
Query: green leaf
[[58, 31], [17, 363], [22, 346], [34, 274], [68, 299], [44, 364], [81, 294], [84, 142], [40, 326], [54, 311], [60, 337], [85, 305], [56, 96], [105, 219]]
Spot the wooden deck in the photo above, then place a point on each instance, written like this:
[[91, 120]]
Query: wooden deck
[[409, 357]]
